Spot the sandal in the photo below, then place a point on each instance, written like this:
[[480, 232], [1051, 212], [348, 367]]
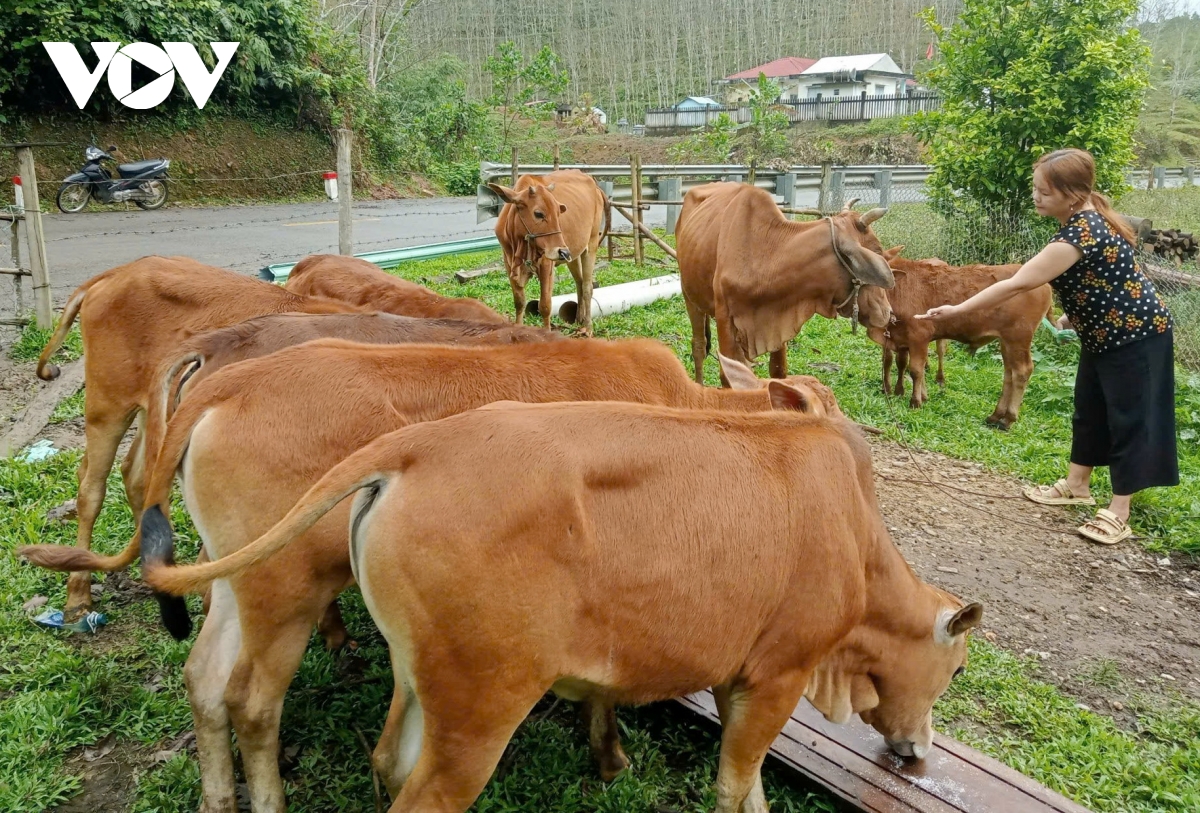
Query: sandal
[[1106, 528], [1058, 494]]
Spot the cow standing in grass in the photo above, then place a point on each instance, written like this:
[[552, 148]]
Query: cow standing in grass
[[628, 579], [925, 284], [762, 276], [550, 220]]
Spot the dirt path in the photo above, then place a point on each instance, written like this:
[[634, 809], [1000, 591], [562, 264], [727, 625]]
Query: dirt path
[[1048, 592]]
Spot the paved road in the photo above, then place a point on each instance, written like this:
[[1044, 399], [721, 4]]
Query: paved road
[[245, 238]]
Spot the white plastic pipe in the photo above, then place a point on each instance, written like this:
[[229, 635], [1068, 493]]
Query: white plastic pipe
[[613, 298]]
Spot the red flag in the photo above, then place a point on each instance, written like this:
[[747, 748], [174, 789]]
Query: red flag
[[929, 51]]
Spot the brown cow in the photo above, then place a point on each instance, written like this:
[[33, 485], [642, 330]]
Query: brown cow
[[549, 220], [366, 285], [133, 317], [260, 432], [762, 276], [924, 284], [204, 354], [630, 579]]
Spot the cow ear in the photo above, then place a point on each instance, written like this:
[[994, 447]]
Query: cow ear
[[867, 266], [785, 396], [893, 252], [562, 208], [507, 194], [964, 619], [739, 376]]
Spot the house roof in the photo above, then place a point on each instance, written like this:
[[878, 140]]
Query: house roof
[[881, 63], [784, 66], [699, 101]]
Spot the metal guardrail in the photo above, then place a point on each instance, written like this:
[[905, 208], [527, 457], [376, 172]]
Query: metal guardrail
[[394, 257], [826, 187]]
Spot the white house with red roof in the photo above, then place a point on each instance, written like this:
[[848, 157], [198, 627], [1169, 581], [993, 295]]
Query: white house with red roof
[[786, 71], [830, 77]]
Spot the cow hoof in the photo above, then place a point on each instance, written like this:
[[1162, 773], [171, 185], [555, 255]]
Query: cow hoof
[[613, 765], [915, 403], [898, 391], [1003, 424]]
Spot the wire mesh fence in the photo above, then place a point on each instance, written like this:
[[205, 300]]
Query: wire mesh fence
[[983, 234]]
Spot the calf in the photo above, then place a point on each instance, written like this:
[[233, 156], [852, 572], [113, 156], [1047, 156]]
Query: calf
[[762, 276], [366, 285], [630, 579], [260, 432], [133, 318], [550, 220], [924, 284]]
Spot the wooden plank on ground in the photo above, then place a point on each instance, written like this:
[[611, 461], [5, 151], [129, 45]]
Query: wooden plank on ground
[[853, 762]]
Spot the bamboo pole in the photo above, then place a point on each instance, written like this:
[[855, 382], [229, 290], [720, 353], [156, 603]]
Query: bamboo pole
[[556, 157], [648, 232], [514, 166], [43, 312]]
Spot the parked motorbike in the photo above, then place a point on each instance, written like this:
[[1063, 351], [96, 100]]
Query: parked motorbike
[[142, 182]]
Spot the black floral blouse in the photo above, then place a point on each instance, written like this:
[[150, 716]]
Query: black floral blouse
[[1108, 299]]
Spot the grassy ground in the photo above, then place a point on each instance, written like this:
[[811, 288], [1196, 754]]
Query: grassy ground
[[60, 693]]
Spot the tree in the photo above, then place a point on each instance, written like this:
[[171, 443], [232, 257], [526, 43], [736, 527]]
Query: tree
[[764, 139], [516, 81], [1019, 79]]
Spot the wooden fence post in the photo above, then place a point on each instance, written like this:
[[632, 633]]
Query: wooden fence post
[[607, 188], [671, 189], [635, 167], [18, 289], [826, 182], [345, 181], [753, 172], [514, 166], [556, 157], [883, 182], [862, 106], [43, 312]]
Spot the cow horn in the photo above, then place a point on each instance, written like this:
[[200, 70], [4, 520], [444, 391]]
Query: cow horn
[[850, 204], [873, 215]]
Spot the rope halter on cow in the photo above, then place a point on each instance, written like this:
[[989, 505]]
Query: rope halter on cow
[[530, 237], [856, 284]]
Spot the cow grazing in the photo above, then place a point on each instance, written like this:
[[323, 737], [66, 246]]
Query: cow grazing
[[367, 286], [550, 220], [630, 579], [762, 276], [133, 317], [924, 284], [260, 432]]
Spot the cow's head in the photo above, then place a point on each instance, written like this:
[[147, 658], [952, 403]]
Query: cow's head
[[802, 393], [891, 670], [857, 243], [537, 219], [874, 307]]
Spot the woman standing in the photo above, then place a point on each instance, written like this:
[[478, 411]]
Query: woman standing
[[1125, 388]]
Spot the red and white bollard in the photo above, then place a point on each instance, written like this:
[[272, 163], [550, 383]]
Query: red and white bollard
[[17, 193], [331, 185]]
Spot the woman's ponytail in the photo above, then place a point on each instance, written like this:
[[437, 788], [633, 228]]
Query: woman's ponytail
[[1115, 221]]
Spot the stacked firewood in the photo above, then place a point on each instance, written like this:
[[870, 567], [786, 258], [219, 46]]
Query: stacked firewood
[[1173, 244]]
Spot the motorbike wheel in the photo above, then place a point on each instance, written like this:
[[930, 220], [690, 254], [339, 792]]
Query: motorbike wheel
[[72, 197], [157, 189]]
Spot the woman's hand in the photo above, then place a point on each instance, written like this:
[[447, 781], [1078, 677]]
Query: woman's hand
[[940, 312], [1063, 323]]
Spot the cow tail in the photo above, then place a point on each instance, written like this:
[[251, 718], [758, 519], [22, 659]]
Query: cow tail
[[45, 370], [361, 470]]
